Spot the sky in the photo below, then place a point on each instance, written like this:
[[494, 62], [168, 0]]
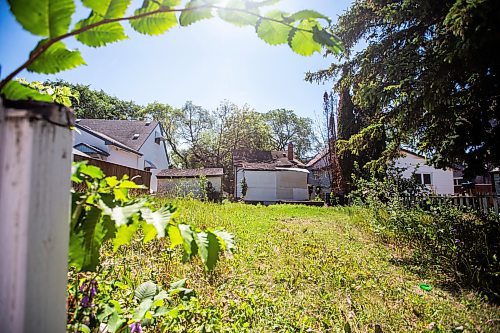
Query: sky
[[206, 63]]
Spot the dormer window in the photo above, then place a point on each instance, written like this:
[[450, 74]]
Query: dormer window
[[135, 137]]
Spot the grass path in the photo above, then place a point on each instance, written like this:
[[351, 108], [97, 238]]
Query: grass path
[[309, 269]]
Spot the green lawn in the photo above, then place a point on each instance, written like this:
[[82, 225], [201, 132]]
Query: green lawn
[[305, 269]]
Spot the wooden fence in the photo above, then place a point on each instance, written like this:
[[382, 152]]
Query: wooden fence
[[112, 169], [482, 203]]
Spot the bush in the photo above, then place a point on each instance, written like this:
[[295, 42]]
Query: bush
[[462, 243]]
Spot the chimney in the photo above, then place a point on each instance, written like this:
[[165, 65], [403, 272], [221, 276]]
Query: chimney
[[290, 151]]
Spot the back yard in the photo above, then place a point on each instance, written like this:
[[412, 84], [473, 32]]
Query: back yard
[[298, 269]]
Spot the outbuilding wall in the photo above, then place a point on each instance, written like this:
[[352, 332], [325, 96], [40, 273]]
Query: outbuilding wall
[[441, 180]]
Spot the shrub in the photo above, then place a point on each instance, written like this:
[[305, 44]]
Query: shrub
[[461, 243]]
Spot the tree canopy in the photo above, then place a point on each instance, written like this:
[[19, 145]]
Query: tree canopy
[[428, 77]]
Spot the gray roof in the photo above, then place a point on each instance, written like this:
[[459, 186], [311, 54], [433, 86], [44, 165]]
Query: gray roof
[[264, 160], [122, 131], [190, 173], [90, 149]]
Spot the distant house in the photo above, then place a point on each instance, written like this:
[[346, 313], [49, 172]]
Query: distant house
[[186, 181], [437, 180], [131, 143], [479, 184], [319, 175], [270, 176]]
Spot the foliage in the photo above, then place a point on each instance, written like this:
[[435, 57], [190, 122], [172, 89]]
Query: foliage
[[428, 76], [93, 104], [462, 244], [287, 127], [61, 94], [244, 187], [105, 212], [305, 32], [298, 268], [112, 306]]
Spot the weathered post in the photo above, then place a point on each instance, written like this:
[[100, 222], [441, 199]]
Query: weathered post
[[35, 167]]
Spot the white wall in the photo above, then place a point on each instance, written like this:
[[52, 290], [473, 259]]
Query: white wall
[[441, 180], [116, 155], [185, 186], [81, 136], [273, 185], [123, 157], [155, 153]]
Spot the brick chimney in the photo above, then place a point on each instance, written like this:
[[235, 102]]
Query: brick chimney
[[290, 151]]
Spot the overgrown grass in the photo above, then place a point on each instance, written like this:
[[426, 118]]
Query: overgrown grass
[[303, 269]]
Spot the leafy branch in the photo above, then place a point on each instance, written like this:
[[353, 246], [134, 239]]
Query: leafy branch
[[302, 30]]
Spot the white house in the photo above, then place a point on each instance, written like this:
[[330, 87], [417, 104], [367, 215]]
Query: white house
[[132, 143], [180, 182], [439, 181], [270, 176]]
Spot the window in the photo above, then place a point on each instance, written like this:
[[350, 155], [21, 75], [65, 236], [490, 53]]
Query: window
[[422, 178], [316, 175]]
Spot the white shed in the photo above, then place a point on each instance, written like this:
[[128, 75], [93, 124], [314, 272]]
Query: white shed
[[278, 184], [182, 182]]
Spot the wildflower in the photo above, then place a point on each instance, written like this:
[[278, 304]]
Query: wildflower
[[85, 302], [135, 327]]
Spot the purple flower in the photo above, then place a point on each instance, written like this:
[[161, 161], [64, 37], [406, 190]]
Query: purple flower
[[135, 327], [85, 302]]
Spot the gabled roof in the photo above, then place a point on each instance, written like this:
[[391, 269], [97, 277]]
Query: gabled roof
[[190, 173], [264, 160], [317, 158], [131, 133], [89, 149]]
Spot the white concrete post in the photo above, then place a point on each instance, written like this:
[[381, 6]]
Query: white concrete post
[[35, 167]]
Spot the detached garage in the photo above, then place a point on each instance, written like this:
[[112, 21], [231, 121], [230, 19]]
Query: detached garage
[[270, 176], [182, 182]]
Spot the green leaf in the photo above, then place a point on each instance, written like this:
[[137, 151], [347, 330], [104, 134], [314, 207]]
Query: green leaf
[[155, 24], [191, 16], [100, 35], [149, 231], [124, 235], [48, 18], [272, 32], [226, 240], [214, 250], [146, 290], [301, 41], [91, 171], [175, 235], [16, 91], [328, 40], [141, 310], [108, 8], [115, 322], [86, 240], [178, 284], [121, 214], [190, 247], [159, 219], [56, 58], [237, 17], [307, 14]]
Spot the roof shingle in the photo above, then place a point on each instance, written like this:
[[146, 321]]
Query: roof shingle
[[122, 131], [190, 173]]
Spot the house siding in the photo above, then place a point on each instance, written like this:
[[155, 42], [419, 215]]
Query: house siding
[[273, 185], [441, 180], [156, 153]]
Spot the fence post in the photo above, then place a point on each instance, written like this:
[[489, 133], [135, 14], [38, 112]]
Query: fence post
[[35, 167]]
